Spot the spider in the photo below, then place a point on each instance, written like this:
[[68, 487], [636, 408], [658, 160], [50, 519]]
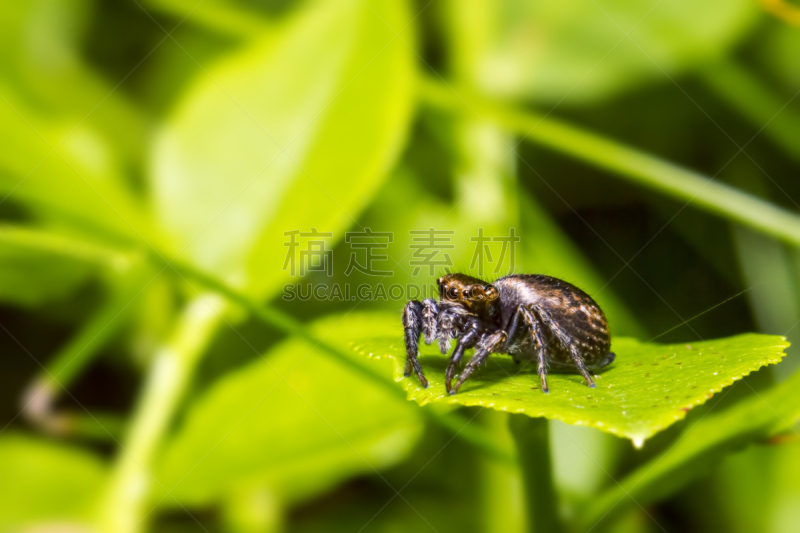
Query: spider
[[531, 317]]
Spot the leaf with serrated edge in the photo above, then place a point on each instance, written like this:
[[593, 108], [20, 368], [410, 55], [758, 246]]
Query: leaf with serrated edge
[[648, 388]]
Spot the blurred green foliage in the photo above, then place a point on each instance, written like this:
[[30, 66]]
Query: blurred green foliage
[[157, 152], [293, 438]]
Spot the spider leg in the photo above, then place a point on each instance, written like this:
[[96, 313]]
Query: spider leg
[[412, 326], [486, 346], [569, 343], [539, 341], [577, 358], [512, 328], [468, 340], [449, 322], [430, 312]]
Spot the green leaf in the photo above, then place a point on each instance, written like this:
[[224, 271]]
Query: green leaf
[[64, 170], [237, 433], [39, 267], [67, 133], [293, 130], [46, 482], [584, 50], [49, 72], [648, 388], [712, 438]]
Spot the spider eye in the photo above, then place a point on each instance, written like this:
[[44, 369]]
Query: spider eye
[[467, 293]]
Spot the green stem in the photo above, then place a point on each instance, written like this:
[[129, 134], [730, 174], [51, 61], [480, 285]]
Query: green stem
[[35, 241], [756, 102], [634, 165], [502, 502], [766, 266], [41, 395], [269, 315], [97, 426], [532, 436], [81, 349], [124, 509]]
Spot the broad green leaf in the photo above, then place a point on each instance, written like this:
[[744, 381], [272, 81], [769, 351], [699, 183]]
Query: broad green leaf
[[47, 69], [66, 132], [758, 416], [38, 267], [648, 388], [63, 173], [293, 421], [585, 50], [294, 130], [46, 482]]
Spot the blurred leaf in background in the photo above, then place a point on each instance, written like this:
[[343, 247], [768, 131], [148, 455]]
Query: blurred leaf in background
[[265, 137], [272, 423], [47, 482], [580, 51]]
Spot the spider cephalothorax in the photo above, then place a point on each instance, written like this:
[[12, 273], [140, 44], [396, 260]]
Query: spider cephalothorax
[[531, 317]]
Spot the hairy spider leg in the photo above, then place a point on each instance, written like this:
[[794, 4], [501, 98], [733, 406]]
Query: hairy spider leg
[[449, 324], [567, 342], [412, 326], [486, 346], [538, 340], [429, 313], [468, 340]]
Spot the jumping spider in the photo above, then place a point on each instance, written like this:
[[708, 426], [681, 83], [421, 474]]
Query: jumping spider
[[531, 317]]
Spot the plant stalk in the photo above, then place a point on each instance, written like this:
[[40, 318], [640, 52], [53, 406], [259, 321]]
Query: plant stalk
[[629, 163], [532, 436], [40, 397], [124, 508]]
